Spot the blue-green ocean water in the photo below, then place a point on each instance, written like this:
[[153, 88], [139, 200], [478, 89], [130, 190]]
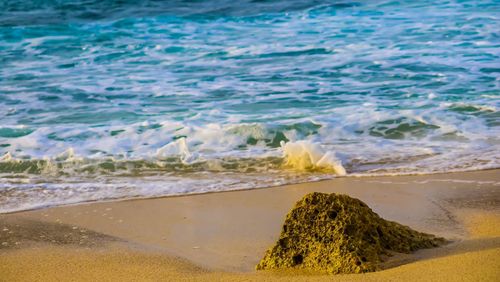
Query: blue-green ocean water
[[111, 99]]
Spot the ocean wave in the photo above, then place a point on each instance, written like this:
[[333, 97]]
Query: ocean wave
[[234, 94], [23, 191], [146, 147], [472, 109], [309, 156], [59, 11], [176, 158], [69, 179]]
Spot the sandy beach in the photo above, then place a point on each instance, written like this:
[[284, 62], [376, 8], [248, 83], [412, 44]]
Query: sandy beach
[[276, 140], [222, 236]]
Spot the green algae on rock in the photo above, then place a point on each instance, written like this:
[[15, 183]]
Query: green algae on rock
[[339, 234]]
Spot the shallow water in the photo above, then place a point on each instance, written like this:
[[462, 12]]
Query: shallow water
[[111, 99]]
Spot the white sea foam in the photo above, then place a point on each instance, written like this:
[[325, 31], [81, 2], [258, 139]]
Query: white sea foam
[[177, 148], [305, 155], [195, 98], [7, 157]]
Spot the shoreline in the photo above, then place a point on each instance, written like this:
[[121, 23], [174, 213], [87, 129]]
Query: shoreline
[[226, 233], [354, 175]]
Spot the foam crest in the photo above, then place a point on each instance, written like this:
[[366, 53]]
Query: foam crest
[[177, 148], [308, 156], [7, 157]]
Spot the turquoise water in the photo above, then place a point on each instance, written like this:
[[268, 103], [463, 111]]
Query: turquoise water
[[114, 99]]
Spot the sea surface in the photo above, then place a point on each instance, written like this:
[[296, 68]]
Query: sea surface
[[109, 99]]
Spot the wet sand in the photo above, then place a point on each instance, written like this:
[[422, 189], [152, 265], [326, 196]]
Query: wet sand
[[223, 235]]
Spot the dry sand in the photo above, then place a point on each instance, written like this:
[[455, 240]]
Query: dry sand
[[221, 236]]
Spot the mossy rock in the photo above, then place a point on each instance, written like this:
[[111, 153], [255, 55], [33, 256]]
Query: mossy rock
[[339, 234]]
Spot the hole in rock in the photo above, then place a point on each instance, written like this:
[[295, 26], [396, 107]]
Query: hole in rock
[[297, 259], [332, 214]]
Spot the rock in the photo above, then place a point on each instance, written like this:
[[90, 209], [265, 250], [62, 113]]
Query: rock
[[339, 234]]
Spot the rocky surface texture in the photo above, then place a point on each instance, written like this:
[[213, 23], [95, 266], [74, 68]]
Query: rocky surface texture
[[338, 234]]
